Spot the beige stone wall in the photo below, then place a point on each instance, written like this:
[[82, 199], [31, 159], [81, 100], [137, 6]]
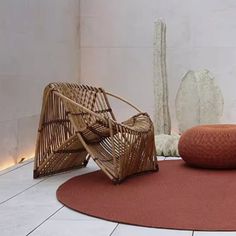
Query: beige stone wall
[[117, 41], [39, 43]]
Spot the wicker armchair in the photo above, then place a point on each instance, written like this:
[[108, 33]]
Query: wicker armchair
[[77, 123]]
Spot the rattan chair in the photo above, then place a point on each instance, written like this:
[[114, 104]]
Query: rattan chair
[[77, 123]]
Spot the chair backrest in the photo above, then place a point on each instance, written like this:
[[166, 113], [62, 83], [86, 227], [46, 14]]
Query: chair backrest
[[92, 98]]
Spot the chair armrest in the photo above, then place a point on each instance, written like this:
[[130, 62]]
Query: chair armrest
[[110, 120], [123, 100]]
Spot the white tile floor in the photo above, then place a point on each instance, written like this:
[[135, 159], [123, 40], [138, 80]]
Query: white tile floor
[[30, 207]]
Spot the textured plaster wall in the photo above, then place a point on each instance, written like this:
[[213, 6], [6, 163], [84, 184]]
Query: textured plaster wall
[[39, 43], [117, 40]]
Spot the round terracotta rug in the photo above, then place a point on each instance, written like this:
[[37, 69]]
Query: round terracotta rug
[[176, 197]]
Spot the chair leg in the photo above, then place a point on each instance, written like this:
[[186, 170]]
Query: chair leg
[[35, 174], [85, 163]]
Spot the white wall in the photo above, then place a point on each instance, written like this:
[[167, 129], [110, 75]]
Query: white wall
[[117, 40], [39, 43]]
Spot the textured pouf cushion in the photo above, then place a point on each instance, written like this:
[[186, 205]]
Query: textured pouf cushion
[[209, 146]]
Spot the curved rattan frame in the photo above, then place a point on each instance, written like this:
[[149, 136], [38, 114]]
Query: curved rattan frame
[[77, 123]]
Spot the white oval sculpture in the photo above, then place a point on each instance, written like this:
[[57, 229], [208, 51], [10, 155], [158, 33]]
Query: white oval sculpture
[[199, 100]]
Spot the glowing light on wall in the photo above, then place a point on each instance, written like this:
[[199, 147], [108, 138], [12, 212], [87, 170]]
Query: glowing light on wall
[[10, 163], [6, 165]]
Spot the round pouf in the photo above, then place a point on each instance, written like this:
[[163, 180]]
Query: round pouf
[[209, 146]]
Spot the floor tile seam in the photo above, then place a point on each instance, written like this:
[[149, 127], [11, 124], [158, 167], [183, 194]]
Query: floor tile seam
[[17, 194], [17, 167], [84, 220], [54, 213], [114, 229]]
